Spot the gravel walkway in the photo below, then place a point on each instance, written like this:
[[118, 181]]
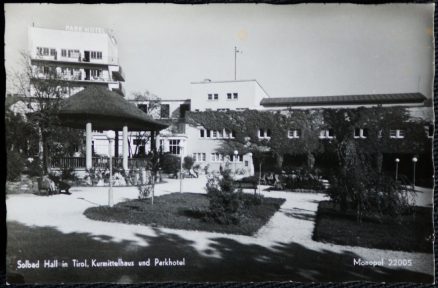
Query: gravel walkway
[[294, 222]]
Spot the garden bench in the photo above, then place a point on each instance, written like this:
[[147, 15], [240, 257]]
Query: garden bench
[[246, 185]]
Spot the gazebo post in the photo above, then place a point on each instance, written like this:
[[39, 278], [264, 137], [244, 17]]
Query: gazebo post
[[125, 147], [153, 143], [88, 143]]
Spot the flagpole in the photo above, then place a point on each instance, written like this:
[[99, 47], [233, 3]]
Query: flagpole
[[235, 63]]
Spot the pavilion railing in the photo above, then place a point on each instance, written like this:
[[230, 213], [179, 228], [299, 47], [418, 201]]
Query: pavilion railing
[[97, 162]]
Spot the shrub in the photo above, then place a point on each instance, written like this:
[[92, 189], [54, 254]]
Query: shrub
[[360, 188], [15, 165], [225, 201], [188, 162], [302, 179], [68, 174], [170, 163]]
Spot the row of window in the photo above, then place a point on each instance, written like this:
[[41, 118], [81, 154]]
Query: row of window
[[217, 134], [45, 51], [230, 96], [67, 53], [95, 55], [218, 157], [359, 133]]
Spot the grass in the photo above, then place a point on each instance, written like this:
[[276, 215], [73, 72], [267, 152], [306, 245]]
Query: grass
[[184, 211], [414, 234]]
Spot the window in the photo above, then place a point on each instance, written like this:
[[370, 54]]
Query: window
[[216, 157], [52, 52], [236, 158], [45, 51], [326, 134], [96, 55], [360, 133], [229, 96], [174, 147], [214, 134], [233, 134], [73, 53], [96, 73], [396, 134], [216, 96], [296, 133], [63, 53], [264, 133], [165, 111], [143, 107], [199, 157], [210, 96], [202, 133], [208, 133], [235, 96]]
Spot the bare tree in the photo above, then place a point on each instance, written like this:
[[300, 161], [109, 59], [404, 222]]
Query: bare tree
[[42, 87], [153, 109]]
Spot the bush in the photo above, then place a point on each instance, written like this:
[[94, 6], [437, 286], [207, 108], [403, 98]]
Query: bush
[[68, 174], [358, 187], [170, 163], [188, 162], [15, 166], [302, 179], [225, 201]]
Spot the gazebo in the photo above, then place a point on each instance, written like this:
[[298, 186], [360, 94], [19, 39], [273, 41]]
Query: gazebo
[[98, 108]]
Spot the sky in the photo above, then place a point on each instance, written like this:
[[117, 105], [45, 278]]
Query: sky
[[291, 50]]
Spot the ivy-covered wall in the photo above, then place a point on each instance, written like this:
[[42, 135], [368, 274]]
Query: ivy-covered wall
[[378, 121]]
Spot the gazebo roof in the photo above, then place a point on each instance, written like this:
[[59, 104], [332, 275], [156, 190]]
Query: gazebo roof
[[106, 110]]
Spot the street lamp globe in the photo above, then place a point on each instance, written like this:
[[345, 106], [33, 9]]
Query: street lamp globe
[[236, 152], [110, 135], [414, 159], [397, 160]]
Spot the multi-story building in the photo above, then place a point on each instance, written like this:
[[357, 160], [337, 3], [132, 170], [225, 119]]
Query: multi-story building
[[203, 144], [77, 56], [74, 57]]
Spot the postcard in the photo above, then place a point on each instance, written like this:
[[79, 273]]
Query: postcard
[[217, 143]]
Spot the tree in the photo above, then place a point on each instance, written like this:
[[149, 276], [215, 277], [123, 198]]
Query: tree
[[43, 88], [152, 108]]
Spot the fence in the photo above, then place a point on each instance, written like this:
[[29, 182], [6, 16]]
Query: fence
[[97, 162]]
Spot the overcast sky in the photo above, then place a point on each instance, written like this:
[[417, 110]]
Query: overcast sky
[[296, 50]]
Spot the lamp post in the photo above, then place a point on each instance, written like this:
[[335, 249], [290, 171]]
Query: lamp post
[[414, 162], [396, 168], [181, 148], [236, 153], [110, 135]]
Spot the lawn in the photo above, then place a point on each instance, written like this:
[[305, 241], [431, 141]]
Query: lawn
[[414, 234], [185, 211]]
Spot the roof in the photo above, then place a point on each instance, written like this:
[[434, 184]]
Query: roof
[[106, 110], [364, 99]]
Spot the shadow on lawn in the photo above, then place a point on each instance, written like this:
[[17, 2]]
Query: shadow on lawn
[[238, 262]]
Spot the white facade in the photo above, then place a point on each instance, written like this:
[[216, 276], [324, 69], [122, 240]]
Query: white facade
[[79, 56], [222, 95]]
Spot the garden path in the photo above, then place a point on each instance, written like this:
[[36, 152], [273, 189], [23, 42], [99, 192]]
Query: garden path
[[293, 224]]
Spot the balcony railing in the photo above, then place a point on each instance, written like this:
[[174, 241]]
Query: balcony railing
[[97, 162]]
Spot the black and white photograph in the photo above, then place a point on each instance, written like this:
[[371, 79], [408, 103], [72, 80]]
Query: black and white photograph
[[219, 142]]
